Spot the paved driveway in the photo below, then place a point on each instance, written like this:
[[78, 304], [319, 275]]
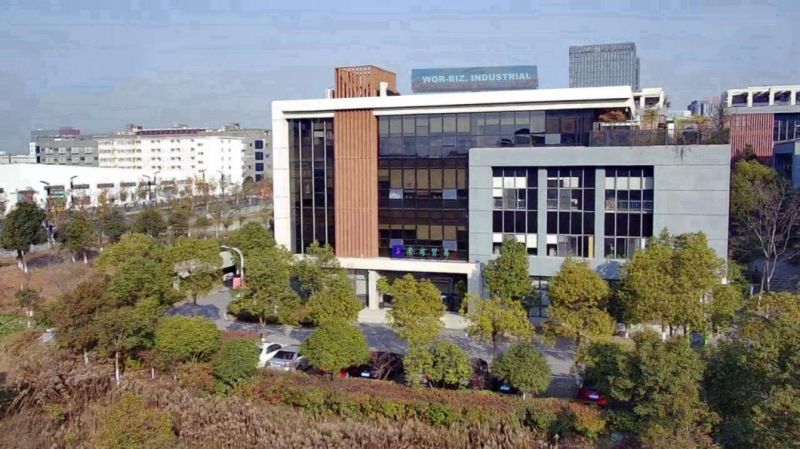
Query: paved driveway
[[560, 357]]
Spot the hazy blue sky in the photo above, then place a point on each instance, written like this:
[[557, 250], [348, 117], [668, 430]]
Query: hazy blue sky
[[98, 65]]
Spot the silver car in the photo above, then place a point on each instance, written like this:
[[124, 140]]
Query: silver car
[[288, 358]]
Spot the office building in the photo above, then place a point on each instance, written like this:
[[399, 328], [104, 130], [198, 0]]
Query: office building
[[604, 65], [228, 155], [707, 108], [65, 146], [760, 117], [433, 184]]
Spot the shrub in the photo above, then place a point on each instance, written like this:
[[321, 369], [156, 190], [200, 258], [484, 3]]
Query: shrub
[[196, 376], [10, 324], [524, 367], [131, 424], [235, 361], [417, 362], [450, 364], [180, 339], [336, 345]]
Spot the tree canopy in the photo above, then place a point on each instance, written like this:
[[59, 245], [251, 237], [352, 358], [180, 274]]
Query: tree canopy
[[507, 275], [149, 222], [23, 227], [182, 339], [450, 365], [198, 264], [80, 234], [418, 308], [524, 367], [336, 345], [495, 320]]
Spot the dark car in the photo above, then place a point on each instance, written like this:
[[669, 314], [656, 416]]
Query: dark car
[[503, 387], [480, 374], [589, 394], [381, 366]]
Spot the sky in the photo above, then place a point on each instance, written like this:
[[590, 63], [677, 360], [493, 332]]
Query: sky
[[99, 64]]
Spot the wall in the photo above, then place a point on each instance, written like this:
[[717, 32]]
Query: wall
[[752, 129], [691, 186]]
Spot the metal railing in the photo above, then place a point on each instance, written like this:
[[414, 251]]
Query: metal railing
[[637, 137]]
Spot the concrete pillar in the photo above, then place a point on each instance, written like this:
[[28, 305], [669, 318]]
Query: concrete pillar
[[541, 214], [641, 102], [373, 296], [729, 100], [749, 99], [793, 97], [475, 281], [599, 213], [772, 97]]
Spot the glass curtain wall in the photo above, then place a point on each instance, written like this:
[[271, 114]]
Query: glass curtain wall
[[514, 191], [628, 210], [311, 166], [570, 211]]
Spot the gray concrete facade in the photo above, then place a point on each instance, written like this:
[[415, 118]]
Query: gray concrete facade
[[690, 189], [787, 160]]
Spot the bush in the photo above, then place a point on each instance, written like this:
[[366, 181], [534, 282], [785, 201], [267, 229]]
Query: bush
[[197, 377], [235, 361], [131, 424], [180, 339], [336, 345], [417, 362], [450, 364], [10, 324], [524, 367]]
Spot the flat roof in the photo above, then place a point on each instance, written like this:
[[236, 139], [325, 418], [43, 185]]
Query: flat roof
[[573, 98]]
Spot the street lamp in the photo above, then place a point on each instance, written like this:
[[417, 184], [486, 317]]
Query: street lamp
[[148, 187], [71, 188], [155, 181], [241, 259], [48, 228]]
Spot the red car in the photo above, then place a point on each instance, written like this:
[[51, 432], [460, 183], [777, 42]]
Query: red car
[[590, 395]]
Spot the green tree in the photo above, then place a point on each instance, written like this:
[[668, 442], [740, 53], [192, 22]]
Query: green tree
[[777, 419], [79, 235], [130, 423], [178, 222], [726, 300], [495, 320], [335, 302], [149, 222], [29, 299], [524, 368], [335, 345], [120, 331], [450, 364], [73, 314], [235, 361], [250, 239], [197, 263], [417, 362], [577, 299], [269, 296], [182, 339], [607, 365], [139, 268], [315, 271], [417, 312], [112, 225], [507, 276], [765, 217], [21, 229], [201, 224]]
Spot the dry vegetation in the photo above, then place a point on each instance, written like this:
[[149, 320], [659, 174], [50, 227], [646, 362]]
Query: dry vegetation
[[51, 272]]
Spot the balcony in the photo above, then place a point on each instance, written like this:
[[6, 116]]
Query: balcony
[[636, 137]]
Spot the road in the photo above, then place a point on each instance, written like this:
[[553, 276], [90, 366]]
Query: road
[[560, 357]]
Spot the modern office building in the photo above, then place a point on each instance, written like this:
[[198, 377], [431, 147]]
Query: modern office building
[[708, 108], [604, 65], [760, 117], [433, 184], [228, 155], [65, 146]]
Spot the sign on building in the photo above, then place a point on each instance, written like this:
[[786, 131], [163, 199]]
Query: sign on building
[[461, 79]]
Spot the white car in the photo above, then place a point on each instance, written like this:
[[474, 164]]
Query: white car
[[268, 351]]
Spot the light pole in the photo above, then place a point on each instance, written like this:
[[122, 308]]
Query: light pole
[[71, 188], [155, 182], [47, 227], [222, 182], [148, 187], [241, 259]]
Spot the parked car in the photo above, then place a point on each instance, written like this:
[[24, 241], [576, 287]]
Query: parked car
[[480, 374], [381, 366], [501, 386], [589, 394], [267, 352], [288, 358]]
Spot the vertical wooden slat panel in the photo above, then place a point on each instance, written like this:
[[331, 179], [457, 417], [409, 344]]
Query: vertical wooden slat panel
[[356, 183], [755, 130]]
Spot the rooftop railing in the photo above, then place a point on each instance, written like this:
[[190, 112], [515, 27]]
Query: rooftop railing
[[637, 137]]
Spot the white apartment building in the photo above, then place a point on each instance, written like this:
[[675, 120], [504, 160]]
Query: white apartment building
[[190, 152]]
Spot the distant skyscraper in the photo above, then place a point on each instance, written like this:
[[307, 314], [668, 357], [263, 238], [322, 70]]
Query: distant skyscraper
[[604, 65]]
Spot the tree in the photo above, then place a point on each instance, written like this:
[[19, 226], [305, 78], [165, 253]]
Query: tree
[[197, 263], [524, 368], [183, 339], [417, 312], [112, 225], [120, 331], [269, 296], [23, 227], [317, 269], [335, 345], [201, 223], [765, 212], [235, 361], [494, 320], [417, 362], [577, 299], [131, 424], [29, 299], [335, 302], [79, 235], [450, 364], [250, 238], [507, 275], [725, 302], [777, 420], [149, 222], [73, 314], [179, 217]]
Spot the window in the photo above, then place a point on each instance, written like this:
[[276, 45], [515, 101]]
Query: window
[[514, 217], [259, 166], [570, 211], [259, 155], [628, 210], [259, 144]]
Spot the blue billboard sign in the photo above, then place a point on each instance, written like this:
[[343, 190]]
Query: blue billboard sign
[[461, 79]]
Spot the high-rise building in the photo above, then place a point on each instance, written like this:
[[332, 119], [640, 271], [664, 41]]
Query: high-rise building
[[432, 185], [604, 65]]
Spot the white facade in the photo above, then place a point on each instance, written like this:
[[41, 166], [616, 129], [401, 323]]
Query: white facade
[[772, 96], [192, 155]]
